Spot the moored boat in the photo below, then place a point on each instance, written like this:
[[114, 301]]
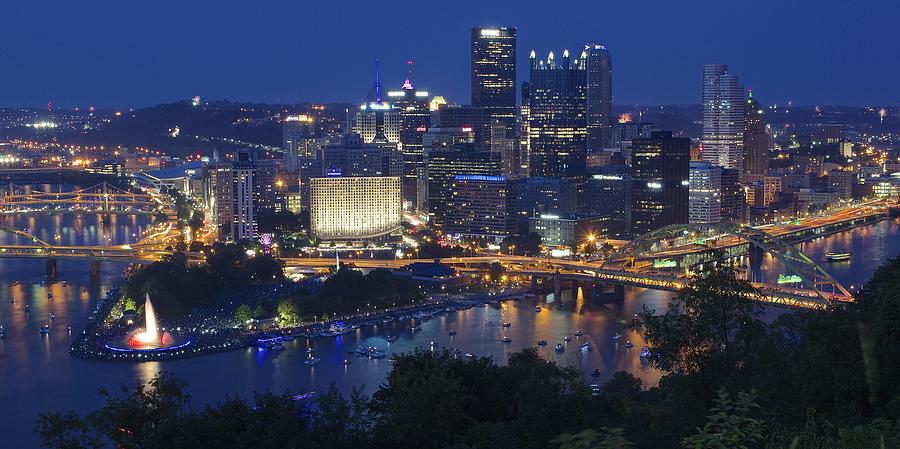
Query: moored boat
[[837, 256]]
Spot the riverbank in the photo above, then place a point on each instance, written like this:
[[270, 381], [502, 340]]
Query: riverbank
[[91, 343]]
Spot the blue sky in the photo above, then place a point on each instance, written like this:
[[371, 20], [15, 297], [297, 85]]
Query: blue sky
[[124, 53]]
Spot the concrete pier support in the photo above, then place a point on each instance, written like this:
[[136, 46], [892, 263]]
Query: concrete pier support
[[95, 269], [50, 264]]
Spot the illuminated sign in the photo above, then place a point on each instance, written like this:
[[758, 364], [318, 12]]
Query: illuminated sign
[[467, 129], [422, 94], [654, 185], [789, 279], [479, 178], [490, 32], [608, 177], [664, 263]]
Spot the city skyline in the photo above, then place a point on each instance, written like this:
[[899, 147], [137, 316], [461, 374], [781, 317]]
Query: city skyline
[[56, 52]]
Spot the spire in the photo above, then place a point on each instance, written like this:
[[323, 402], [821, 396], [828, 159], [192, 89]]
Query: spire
[[377, 83]]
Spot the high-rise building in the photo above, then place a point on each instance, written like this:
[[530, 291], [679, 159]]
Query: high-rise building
[[232, 186], [598, 64], [723, 117], [537, 195], [505, 147], [660, 171], [448, 153], [297, 139], [756, 138], [557, 129], [415, 116], [355, 158], [494, 72], [833, 133], [474, 118], [479, 207], [704, 199], [841, 183], [354, 208], [734, 200], [608, 192], [377, 121]]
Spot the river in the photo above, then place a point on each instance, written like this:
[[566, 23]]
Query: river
[[37, 374]]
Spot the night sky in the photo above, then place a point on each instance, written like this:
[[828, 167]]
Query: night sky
[[134, 53]]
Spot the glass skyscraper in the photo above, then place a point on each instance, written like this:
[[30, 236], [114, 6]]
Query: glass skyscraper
[[494, 72], [660, 179], [723, 117], [598, 64]]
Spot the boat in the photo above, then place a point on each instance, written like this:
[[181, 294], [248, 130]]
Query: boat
[[277, 346], [469, 355], [585, 346], [65, 283], [376, 353], [567, 338], [542, 342], [645, 353], [629, 344], [506, 339], [559, 348], [537, 308], [12, 300], [45, 328], [312, 361], [391, 338], [595, 372], [347, 362], [69, 328], [364, 350], [15, 283], [52, 315], [415, 329], [27, 307], [617, 336], [452, 333], [507, 324], [595, 389], [49, 295], [837, 256], [578, 333]]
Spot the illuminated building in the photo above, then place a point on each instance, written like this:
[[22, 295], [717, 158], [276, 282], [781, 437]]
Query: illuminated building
[[105, 167], [660, 170], [833, 133], [624, 132], [450, 152], [377, 121], [473, 118], [354, 208], [232, 184], [704, 198], [734, 201], [297, 139], [598, 64], [762, 190], [415, 117], [723, 117], [537, 195], [757, 141], [355, 158], [293, 202], [479, 207], [841, 184], [494, 72], [569, 230], [608, 192], [556, 122], [507, 148]]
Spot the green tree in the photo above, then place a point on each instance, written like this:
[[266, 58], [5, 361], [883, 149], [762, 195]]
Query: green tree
[[243, 313], [731, 424], [591, 439]]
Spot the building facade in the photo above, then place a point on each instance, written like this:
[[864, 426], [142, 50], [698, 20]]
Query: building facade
[[598, 64], [493, 60], [660, 171], [354, 208], [704, 200], [723, 117], [757, 141]]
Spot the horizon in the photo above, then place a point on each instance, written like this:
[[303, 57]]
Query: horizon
[[117, 56]]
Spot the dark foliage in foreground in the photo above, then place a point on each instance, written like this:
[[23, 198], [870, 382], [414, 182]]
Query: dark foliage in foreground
[[808, 380]]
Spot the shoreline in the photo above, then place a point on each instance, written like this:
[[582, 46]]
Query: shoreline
[[92, 347]]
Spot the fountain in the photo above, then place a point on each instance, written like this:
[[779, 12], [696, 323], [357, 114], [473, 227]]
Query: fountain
[[150, 338]]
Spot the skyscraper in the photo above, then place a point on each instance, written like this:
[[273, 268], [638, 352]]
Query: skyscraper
[[232, 184], [704, 199], [608, 192], [756, 139], [415, 117], [297, 137], [660, 170], [377, 121], [494, 72], [723, 117], [598, 64], [557, 129], [734, 200]]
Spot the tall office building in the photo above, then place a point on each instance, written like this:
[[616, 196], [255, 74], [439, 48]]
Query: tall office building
[[756, 138], [494, 72], [660, 171], [297, 139], [415, 117], [598, 64], [833, 133], [377, 121], [723, 117], [704, 198], [232, 185], [608, 192], [479, 207], [505, 147], [354, 208], [448, 153], [557, 129], [734, 199], [474, 118], [355, 158]]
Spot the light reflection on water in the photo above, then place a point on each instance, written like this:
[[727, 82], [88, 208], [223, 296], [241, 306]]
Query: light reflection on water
[[45, 377]]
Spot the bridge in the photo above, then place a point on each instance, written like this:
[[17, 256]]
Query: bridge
[[102, 198]]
